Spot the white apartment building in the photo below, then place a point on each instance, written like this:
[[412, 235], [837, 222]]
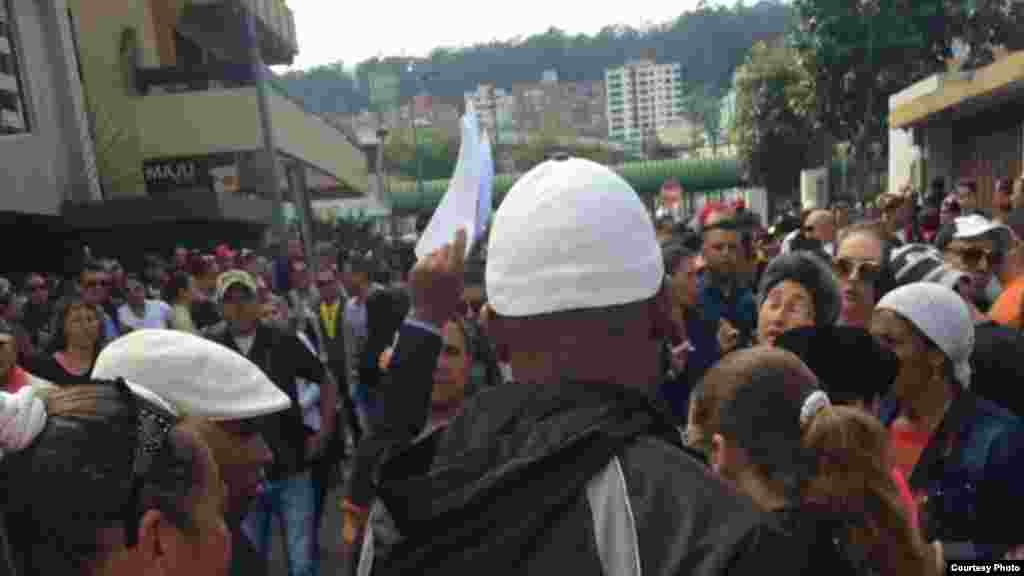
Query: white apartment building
[[641, 98], [486, 99]]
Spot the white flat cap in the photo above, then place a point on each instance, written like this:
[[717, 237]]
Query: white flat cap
[[570, 235], [198, 377]]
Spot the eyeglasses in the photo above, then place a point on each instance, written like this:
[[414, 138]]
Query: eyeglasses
[[864, 270], [97, 284], [972, 257]]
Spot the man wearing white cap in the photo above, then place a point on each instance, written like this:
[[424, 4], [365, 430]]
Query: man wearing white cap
[[202, 379], [573, 466], [290, 492], [977, 246]]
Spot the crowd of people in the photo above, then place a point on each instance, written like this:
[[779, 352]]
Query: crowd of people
[[596, 389]]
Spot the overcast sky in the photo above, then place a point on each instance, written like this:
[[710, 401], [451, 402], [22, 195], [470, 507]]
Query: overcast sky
[[331, 30]]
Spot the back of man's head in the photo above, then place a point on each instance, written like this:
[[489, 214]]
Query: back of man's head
[[571, 235]]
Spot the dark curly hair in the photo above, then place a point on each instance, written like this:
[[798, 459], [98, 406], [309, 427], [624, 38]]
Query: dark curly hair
[[88, 471]]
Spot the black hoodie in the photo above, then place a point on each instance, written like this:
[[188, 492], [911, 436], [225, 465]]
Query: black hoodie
[[582, 476]]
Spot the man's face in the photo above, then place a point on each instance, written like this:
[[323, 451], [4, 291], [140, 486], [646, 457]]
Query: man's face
[[721, 251], [180, 257], [894, 212], [1017, 197], [977, 258], [360, 282], [1001, 199], [241, 455], [300, 276], [241, 308], [8, 353], [95, 287], [968, 200], [39, 292], [135, 292], [327, 285], [821, 226]]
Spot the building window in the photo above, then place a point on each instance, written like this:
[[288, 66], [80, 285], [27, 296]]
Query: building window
[[13, 115]]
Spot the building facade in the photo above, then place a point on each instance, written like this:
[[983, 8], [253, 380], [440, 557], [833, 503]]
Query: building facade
[[642, 97], [173, 106], [45, 145], [959, 124]]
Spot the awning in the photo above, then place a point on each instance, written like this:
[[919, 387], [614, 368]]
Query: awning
[[962, 88]]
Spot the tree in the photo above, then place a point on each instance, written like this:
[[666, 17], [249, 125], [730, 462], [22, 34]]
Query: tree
[[773, 129], [439, 153], [581, 57], [860, 53]]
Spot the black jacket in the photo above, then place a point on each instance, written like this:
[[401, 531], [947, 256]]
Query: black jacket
[[583, 476]]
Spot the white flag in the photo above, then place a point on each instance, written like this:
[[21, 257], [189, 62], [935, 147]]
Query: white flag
[[484, 206], [458, 208]]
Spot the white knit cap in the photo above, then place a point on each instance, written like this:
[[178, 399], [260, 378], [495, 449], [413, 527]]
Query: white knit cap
[[198, 377], [942, 316], [571, 234]]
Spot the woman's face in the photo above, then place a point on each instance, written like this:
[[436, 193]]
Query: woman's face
[[896, 333], [786, 307], [858, 264], [82, 326], [453, 366]]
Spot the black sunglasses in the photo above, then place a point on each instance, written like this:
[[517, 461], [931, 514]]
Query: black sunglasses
[[864, 270]]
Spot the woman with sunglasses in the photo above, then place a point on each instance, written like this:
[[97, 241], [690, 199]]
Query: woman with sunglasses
[[145, 494], [859, 266]]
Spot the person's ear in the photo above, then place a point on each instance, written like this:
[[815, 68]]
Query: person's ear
[[936, 362], [153, 541], [718, 456]]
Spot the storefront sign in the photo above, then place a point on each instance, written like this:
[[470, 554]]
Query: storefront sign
[[164, 175]]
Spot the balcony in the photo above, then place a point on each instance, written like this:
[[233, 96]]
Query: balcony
[[213, 110], [221, 27]]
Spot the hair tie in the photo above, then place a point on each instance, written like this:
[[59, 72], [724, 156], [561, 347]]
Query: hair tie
[[812, 405], [22, 418]]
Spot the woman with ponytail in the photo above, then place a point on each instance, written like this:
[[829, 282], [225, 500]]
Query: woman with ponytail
[[756, 413], [853, 483], [103, 480]]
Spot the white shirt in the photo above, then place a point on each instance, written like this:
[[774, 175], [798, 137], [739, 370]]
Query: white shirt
[[157, 315]]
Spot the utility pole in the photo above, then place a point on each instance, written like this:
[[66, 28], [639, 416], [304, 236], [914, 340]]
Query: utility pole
[[416, 136], [270, 147]]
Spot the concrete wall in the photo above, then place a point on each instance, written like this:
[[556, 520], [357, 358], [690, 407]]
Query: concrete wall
[[179, 125], [938, 152], [45, 166], [902, 154], [99, 27]]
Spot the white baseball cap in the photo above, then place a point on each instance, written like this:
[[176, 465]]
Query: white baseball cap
[[198, 377], [571, 234], [975, 226]]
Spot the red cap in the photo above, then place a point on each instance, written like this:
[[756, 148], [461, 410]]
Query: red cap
[[223, 251], [709, 209]]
